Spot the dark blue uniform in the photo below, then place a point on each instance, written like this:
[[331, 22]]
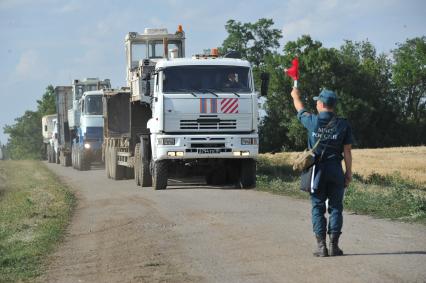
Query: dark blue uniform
[[329, 176]]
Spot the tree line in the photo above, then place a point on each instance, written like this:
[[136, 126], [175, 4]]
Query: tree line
[[25, 136], [382, 96]]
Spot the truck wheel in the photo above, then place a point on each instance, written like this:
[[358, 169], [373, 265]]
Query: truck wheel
[[49, 159], [137, 164], [117, 171], [67, 160], [248, 173], [73, 156], [84, 163], [160, 175], [107, 161], [144, 171], [78, 159]]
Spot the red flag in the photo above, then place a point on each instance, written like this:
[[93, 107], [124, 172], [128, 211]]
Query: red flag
[[293, 71]]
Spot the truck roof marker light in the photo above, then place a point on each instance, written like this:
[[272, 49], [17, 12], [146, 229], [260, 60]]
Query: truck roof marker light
[[215, 52]]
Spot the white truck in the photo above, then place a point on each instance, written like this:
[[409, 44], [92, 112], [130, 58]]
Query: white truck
[[50, 137], [87, 133], [181, 116]]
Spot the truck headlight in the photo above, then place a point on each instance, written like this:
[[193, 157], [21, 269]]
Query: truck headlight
[[248, 141], [166, 141], [87, 145]]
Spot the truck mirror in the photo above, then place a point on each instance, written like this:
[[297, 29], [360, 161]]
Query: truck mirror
[[146, 77], [147, 90], [264, 77]]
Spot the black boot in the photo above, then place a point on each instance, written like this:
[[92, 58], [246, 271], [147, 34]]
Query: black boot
[[334, 245], [322, 246]]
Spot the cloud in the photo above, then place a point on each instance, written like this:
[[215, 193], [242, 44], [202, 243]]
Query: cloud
[[68, 8], [29, 67]]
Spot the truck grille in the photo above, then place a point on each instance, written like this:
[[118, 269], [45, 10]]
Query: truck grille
[[208, 124]]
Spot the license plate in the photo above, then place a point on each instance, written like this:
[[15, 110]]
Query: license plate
[[208, 151]]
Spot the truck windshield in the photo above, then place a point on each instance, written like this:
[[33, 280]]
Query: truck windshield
[[81, 88], [181, 79], [93, 105], [155, 50]]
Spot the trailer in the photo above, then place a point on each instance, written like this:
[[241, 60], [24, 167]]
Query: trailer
[[63, 95], [181, 116]]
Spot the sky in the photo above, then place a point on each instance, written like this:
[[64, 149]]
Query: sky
[[53, 42]]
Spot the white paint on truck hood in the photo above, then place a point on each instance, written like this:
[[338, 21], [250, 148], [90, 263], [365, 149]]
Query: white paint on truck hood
[[208, 113]]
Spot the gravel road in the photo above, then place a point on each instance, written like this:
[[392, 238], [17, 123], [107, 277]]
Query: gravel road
[[194, 233]]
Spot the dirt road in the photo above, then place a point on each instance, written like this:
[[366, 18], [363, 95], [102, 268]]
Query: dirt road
[[121, 233]]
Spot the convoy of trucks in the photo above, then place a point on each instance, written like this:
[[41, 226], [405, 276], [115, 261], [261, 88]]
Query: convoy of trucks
[[176, 117]]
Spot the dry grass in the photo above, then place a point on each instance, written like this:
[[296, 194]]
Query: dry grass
[[409, 162]]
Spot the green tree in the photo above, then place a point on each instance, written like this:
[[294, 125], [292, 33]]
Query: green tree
[[359, 76], [254, 41], [25, 136], [409, 81]]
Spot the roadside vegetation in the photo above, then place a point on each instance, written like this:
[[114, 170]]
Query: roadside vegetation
[[395, 193], [35, 209]]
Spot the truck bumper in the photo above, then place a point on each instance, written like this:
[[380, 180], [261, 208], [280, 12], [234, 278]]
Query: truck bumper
[[93, 150], [206, 146]]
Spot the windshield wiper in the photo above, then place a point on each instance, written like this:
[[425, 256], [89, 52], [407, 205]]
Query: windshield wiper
[[186, 90], [233, 92], [204, 90]]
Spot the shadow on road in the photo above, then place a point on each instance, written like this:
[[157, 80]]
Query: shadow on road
[[391, 253]]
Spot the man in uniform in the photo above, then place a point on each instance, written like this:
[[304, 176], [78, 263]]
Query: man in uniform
[[336, 138]]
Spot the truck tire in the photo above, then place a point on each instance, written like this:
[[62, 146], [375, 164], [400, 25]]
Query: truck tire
[[144, 170], [137, 164], [248, 173], [67, 160], [84, 163], [160, 174], [117, 171], [107, 161], [73, 156], [49, 154], [78, 159]]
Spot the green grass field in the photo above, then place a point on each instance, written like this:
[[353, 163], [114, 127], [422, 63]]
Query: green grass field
[[35, 209]]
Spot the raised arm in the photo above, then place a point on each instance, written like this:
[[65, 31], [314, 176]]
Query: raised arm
[[298, 104], [347, 155]]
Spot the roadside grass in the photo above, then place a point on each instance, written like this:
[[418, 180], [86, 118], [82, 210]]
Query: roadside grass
[[385, 196], [35, 208]]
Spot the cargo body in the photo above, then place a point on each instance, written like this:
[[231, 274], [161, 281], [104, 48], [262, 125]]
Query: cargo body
[[63, 95]]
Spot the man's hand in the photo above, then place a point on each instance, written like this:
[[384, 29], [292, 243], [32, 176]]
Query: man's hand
[[296, 99], [347, 156], [295, 93], [348, 178]]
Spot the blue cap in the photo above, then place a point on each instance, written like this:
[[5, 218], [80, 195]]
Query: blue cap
[[328, 97]]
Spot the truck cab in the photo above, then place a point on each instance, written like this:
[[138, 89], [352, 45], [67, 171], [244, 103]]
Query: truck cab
[[86, 121], [53, 143], [90, 132], [181, 116]]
